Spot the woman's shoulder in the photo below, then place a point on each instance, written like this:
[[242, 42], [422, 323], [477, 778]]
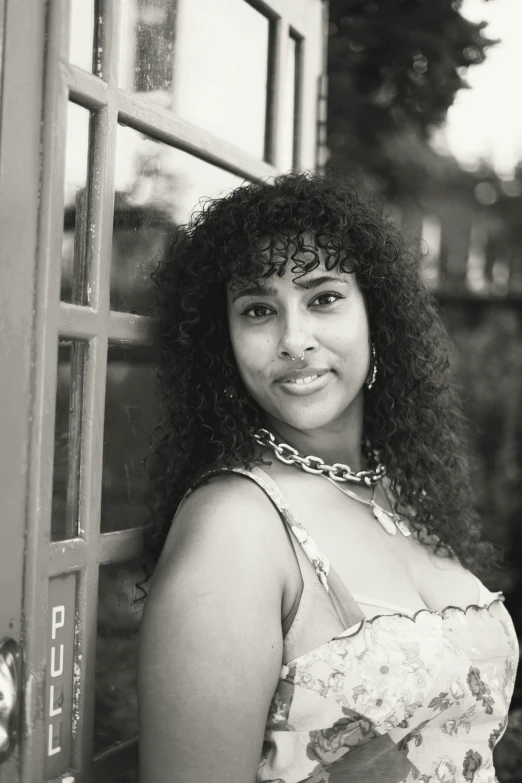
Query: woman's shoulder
[[227, 512], [225, 490]]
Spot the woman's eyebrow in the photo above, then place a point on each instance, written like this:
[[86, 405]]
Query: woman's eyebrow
[[256, 290], [262, 290]]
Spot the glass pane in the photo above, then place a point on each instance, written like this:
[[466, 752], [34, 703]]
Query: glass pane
[[119, 614], [81, 33], [206, 60], [130, 412], [222, 66], [290, 105], [131, 776], [157, 187], [67, 439], [147, 48], [74, 245]]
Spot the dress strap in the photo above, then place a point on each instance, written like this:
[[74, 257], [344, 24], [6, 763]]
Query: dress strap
[[342, 600], [345, 605], [312, 551]]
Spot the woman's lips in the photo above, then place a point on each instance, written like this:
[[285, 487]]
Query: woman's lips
[[303, 387]]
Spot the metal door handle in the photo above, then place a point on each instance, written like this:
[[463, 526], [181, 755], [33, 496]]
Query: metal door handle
[[9, 695]]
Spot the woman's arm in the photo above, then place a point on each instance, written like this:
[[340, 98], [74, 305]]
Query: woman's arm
[[210, 641]]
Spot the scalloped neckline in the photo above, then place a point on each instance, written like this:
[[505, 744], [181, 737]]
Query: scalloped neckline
[[370, 620], [413, 617]]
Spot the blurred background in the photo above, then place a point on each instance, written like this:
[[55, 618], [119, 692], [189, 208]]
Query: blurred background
[[422, 105]]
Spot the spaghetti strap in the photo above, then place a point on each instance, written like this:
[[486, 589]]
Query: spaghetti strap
[[270, 488], [345, 605]]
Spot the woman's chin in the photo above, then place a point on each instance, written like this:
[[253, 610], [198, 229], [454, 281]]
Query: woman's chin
[[311, 418]]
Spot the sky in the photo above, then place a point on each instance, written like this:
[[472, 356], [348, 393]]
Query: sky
[[486, 120]]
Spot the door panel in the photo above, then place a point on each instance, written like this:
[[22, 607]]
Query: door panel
[[130, 143]]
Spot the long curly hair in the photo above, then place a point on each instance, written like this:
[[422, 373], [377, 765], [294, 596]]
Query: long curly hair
[[412, 415]]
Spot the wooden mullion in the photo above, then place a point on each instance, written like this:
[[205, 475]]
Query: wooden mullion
[[101, 188], [120, 546], [74, 554], [77, 322], [132, 329], [67, 556], [82, 323], [298, 100], [276, 91], [85, 88], [294, 12], [160, 124]]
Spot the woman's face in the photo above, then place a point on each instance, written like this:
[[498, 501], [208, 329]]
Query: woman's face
[[321, 315]]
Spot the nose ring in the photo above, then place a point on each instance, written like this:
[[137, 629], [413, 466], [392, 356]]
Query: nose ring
[[302, 357]]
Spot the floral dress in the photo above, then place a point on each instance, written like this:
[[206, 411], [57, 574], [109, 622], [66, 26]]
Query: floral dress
[[393, 699]]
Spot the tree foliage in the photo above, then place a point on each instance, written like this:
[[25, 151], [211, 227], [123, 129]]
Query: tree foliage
[[394, 68]]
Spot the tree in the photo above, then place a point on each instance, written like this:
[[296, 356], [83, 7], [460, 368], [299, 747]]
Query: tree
[[394, 68]]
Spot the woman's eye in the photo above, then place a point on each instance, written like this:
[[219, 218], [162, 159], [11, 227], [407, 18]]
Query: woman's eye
[[327, 299], [256, 311]]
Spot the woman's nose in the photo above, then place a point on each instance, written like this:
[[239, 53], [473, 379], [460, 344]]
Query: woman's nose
[[296, 338]]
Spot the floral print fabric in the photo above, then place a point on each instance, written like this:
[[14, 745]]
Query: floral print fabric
[[400, 700]]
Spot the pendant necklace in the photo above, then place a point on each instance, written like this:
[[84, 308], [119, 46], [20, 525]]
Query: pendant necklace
[[338, 473], [390, 521]]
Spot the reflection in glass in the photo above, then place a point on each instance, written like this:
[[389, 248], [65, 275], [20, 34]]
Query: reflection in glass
[[130, 412], [130, 776], [81, 34], [430, 248], [74, 246], [147, 49], [67, 439], [157, 188], [222, 67], [119, 614], [289, 129]]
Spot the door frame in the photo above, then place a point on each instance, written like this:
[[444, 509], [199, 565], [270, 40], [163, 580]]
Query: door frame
[[36, 85], [22, 93]]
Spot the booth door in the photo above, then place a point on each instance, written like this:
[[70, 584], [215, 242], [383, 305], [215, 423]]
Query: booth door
[[117, 118]]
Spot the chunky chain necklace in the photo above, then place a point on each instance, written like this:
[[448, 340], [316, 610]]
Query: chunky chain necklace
[[389, 520], [338, 471]]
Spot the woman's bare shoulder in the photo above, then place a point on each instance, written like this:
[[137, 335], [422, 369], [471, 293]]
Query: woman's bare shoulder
[[229, 511], [210, 640]]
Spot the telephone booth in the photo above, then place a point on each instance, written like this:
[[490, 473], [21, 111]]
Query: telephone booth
[[117, 118]]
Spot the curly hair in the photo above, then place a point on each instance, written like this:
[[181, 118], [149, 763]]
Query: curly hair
[[412, 415]]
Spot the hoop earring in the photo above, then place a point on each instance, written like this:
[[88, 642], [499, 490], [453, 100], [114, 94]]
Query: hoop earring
[[373, 369]]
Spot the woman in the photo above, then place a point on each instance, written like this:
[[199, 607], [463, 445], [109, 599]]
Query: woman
[[314, 614]]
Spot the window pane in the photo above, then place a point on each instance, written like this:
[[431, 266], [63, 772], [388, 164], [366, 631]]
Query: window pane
[[206, 60], [157, 187], [222, 66], [81, 33], [74, 246], [130, 412], [67, 439], [119, 614], [147, 48]]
